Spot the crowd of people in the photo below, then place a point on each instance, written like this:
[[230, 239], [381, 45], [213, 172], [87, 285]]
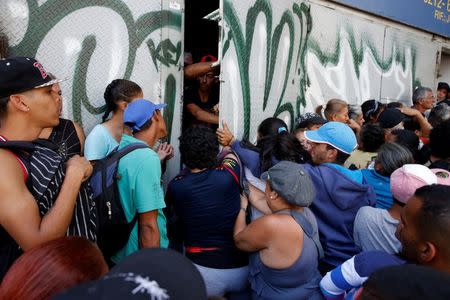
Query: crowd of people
[[351, 203]]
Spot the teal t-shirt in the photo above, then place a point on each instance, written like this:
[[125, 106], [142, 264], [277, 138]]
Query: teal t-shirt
[[99, 143], [140, 191]]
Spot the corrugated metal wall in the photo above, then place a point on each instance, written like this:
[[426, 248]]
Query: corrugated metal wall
[[93, 42], [282, 58]]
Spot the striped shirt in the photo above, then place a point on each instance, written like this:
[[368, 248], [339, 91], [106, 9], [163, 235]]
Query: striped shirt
[[46, 172], [342, 282]]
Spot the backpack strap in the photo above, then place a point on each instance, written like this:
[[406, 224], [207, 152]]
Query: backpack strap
[[220, 158], [19, 150], [117, 155], [307, 228]]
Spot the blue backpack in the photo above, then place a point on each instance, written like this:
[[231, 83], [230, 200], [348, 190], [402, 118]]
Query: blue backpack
[[113, 229]]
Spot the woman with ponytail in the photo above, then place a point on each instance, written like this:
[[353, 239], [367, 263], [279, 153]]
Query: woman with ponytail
[[106, 136], [337, 110]]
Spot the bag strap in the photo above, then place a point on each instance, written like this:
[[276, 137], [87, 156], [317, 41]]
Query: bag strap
[[221, 157], [18, 145], [127, 149], [307, 228]]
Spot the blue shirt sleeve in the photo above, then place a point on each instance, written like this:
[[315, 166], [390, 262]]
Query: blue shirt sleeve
[[99, 143], [249, 158], [354, 272]]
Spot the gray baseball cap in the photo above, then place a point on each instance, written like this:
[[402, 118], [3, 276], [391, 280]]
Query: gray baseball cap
[[291, 181]]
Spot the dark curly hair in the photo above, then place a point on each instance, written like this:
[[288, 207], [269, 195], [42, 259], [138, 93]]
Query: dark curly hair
[[117, 90], [199, 147], [440, 141], [371, 137]]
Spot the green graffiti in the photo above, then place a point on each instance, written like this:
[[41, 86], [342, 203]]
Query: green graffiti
[[358, 48], [169, 99], [243, 47], [166, 52], [242, 39], [45, 17], [79, 81]]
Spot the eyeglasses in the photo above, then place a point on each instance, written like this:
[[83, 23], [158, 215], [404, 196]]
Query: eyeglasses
[[208, 76]]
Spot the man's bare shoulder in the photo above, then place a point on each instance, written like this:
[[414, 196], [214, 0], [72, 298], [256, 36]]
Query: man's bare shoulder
[[10, 172]]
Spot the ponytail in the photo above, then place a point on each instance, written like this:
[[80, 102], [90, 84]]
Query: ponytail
[[119, 90], [320, 110]]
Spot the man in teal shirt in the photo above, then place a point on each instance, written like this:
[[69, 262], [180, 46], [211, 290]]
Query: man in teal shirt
[[140, 183]]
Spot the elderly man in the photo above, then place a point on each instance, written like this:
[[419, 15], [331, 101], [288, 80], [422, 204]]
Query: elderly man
[[423, 99]]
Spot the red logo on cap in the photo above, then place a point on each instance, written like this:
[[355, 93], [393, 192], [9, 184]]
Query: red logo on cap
[[41, 69]]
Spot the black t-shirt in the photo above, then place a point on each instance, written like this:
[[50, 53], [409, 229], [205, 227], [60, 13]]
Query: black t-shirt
[[191, 96], [206, 205], [65, 136]]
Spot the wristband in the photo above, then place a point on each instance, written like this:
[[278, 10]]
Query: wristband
[[244, 209]]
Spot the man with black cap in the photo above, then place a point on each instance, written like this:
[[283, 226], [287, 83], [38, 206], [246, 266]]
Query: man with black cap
[[32, 214]]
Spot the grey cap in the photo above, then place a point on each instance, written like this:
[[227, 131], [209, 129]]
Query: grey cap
[[291, 181]]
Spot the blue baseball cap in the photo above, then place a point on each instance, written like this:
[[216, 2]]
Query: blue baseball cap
[[139, 112], [336, 134]]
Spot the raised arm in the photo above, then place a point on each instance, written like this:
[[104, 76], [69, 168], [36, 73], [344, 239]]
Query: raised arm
[[202, 115], [198, 69]]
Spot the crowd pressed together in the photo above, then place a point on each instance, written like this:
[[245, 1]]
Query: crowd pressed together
[[352, 203]]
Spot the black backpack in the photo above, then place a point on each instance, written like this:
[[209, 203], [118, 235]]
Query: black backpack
[[113, 229]]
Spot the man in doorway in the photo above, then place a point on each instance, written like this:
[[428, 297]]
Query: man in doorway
[[140, 184], [201, 100]]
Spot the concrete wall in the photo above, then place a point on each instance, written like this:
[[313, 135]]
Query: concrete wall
[[93, 42], [283, 58]]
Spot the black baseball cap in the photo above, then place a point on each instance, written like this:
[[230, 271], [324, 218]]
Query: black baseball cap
[[20, 74], [390, 117], [152, 273]]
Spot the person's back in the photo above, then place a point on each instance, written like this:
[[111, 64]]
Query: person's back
[[139, 185], [298, 281], [284, 243], [105, 137], [206, 202], [140, 191], [374, 229], [337, 202]]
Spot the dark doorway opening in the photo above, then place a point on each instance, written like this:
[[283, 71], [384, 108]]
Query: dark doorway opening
[[201, 36]]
